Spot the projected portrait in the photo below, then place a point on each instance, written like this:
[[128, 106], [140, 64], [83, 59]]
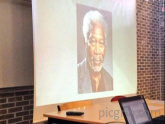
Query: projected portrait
[[92, 75]]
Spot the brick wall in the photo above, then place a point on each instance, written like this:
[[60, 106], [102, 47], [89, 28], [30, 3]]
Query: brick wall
[[162, 46], [16, 105], [150, 48]]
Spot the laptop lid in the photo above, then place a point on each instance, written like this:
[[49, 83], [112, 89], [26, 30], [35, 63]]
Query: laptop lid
[[135, 110]]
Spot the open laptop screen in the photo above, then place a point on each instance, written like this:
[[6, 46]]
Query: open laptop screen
[[136, 112]]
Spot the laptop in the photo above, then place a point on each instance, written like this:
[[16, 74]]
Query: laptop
[[135, 111]]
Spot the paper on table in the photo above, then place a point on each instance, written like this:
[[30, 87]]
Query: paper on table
[[155, 107], [157, 101]]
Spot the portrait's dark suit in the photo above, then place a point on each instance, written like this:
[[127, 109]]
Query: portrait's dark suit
[[84, 80]]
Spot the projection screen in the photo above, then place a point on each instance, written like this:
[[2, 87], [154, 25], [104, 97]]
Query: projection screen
[[83, 49]]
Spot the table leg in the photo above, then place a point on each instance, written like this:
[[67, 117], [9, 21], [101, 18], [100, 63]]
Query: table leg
[[50, 121]]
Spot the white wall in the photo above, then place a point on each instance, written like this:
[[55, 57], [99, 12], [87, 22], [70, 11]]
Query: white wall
[[16, 43]]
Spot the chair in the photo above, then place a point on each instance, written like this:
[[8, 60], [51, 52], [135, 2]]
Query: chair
[[72, 105], [116, 98]]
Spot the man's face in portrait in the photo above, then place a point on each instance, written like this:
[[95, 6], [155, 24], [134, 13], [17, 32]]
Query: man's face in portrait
[[96, 48]]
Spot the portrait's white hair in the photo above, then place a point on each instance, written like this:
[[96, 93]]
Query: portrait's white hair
[[90, 19]]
